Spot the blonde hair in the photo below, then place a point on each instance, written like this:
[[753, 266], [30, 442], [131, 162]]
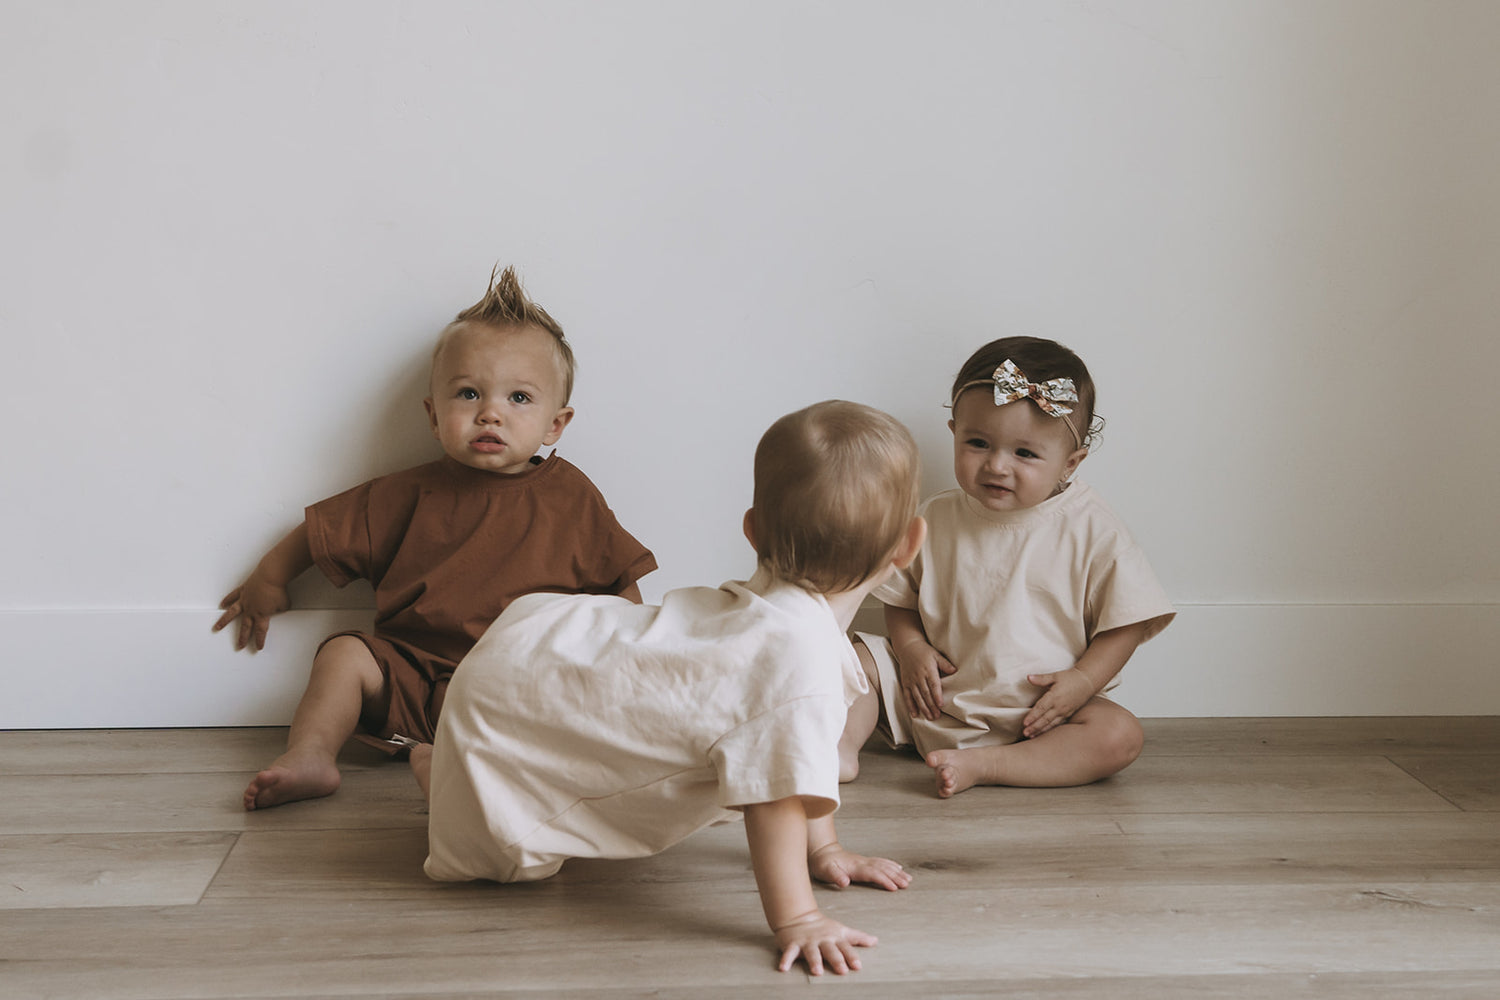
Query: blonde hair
[[835, 490], [505, 305]]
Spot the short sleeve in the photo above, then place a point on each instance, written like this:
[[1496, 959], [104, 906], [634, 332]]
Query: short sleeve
[[900, 590], [1127, 593], [625, 560], [338, 534], [355, 534], [789, 750]]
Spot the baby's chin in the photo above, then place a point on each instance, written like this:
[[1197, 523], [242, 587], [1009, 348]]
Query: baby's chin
[[481, 461], [995, 497]]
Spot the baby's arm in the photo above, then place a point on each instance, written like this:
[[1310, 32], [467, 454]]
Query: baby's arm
[[263, 593], [921, 666], [831, 862], [1069, 690], [777, 833]]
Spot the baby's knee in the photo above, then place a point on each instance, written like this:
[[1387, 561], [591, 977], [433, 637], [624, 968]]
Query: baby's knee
[[348, 655], [1122, 738]]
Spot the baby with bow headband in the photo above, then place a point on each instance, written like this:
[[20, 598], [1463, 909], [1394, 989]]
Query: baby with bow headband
[[1025, 601]]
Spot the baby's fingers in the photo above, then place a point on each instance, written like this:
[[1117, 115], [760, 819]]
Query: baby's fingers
[[885, 874], [230, 605], [912, 696], [841, 956], [252, 632], [1049, 719], [788, 956], [926, 696]]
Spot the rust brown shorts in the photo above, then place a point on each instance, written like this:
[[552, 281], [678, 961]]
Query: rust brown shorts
[[415, 684]]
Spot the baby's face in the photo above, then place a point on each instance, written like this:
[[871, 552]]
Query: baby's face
[[497, 397], [1009, 457]]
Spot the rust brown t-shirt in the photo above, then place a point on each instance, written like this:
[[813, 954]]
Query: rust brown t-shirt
[[447, 547]]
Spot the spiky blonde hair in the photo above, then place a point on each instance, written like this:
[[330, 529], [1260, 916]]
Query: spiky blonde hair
[[505, 305]]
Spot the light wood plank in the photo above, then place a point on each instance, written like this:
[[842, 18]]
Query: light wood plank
[[95, 870], [387, 864], [1009, 852], [133, 803], [1094, 930], [1471, 782], [1480, 985], [1195, 784], [681, 940], [1363, 735], [528, 940], [1214, 849], [156, 751]]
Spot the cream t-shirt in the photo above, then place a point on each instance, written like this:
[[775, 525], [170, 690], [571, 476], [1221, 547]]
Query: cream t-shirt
[[1011, 593], [589, 726]]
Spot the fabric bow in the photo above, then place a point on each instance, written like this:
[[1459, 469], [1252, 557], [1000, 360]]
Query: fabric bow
[[1011, 385]]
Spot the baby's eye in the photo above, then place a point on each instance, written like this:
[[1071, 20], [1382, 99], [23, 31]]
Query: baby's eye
[[468, 393], [519, 397], [979, 444], [1025, 453]]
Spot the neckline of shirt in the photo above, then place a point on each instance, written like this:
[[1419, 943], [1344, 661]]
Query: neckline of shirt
[[480, 479]]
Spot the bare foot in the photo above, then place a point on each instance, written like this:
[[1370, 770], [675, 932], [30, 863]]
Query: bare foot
[[951, 772], [848, 764], [421, 767], [292, 777]]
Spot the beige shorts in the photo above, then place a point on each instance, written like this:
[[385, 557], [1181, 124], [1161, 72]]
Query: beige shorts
[[894, 723]]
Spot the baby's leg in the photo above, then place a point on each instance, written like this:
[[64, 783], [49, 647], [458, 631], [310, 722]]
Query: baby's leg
[[1099, 740], [863, 715], [345, 678], [421, 768]]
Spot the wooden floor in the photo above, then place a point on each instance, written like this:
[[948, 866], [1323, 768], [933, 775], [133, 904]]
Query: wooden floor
[[1237, 858]]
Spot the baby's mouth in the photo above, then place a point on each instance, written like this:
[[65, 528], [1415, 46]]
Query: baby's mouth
[[487, 442]]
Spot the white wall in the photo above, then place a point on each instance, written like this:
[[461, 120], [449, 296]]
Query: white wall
[[1272, 228]]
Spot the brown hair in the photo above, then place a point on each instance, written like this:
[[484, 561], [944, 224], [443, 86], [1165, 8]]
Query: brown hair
[[835, 490], [1039, 360], [505, 305]]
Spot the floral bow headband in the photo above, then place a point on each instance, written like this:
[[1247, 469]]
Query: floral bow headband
[[1050, 396]]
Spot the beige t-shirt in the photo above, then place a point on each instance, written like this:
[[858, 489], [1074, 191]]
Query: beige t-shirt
[[1011, 593], [588, 726]]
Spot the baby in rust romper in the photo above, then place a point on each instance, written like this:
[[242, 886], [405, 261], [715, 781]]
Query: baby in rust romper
[[446, 545]]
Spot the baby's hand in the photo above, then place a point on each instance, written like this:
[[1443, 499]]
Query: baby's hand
[[834, 864], [253, 603], [816, 939], [1067, 692], [922, 669]]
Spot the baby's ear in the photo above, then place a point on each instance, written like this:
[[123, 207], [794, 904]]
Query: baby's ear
[[431, 416], [916, 534], [1075, 460], [560, 421], [749, 527]]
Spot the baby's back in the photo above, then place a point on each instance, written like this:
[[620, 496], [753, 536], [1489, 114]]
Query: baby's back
[[591, 726]]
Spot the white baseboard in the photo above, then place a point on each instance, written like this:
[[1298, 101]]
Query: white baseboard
[[142, 669], [137, 669]]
